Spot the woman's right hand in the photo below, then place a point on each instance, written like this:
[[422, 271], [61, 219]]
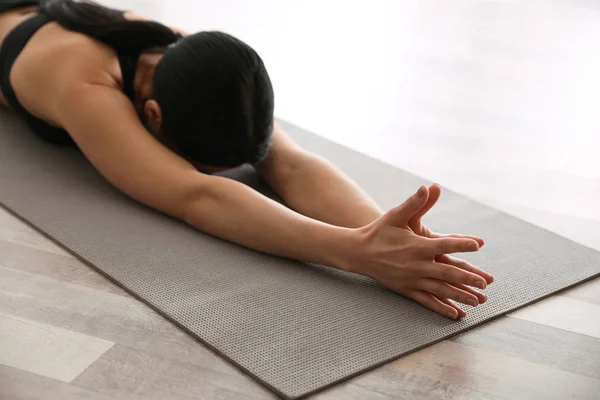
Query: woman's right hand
[[392, 254]]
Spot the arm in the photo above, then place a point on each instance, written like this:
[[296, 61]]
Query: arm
[[314, 186], [136, 163]]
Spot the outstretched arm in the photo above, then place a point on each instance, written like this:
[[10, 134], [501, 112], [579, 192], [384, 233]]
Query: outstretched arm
[[133, 161], [137, 164], [314, 186]]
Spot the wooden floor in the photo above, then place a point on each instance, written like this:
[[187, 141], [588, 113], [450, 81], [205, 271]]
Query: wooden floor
[[497, 99], [68, 333]]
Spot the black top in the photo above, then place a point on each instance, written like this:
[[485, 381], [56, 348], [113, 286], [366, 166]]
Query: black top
[[14, 43]]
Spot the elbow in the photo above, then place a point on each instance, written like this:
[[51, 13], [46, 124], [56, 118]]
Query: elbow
[[284, 174], [196, 203]]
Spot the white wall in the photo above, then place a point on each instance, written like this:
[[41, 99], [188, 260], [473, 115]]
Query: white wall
[[497, 99]]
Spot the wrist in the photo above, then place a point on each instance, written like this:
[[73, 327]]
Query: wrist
[[340, 248]]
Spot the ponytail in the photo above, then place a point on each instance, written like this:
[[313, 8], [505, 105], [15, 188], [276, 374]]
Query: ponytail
[[108, 25]]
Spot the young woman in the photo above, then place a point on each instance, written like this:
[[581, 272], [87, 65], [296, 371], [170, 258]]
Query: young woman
[[157, 112]]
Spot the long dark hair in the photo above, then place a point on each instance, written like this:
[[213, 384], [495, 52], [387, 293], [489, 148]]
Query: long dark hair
[[214, 91], [109, 25]]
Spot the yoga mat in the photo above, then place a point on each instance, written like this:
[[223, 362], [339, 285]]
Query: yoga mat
[[295, 327]]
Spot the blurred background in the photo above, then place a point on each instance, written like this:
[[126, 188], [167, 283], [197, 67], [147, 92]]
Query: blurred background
[[498, 100]]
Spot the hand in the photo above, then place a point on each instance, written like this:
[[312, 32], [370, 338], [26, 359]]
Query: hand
[[391, 253], [417, 226], [420, 229]]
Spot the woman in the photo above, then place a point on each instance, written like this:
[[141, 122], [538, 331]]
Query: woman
[[156, 113]]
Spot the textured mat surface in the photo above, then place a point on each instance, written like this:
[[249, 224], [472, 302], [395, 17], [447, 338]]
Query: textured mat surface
[[296, 327]]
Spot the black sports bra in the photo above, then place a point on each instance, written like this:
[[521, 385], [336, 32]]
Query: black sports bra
[[14, 43]]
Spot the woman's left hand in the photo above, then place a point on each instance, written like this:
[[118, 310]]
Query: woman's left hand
[[420, 229]]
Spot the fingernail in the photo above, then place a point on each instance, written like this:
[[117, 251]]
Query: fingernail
[[421, 191], [480, 284], [453, 315], [473, 246], [471, 302]]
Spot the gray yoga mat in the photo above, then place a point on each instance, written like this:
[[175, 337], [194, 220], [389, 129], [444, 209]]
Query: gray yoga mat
[[295, 327]]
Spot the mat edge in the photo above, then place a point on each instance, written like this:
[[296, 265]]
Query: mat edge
[[249, 373], [345, 378], [148, 304]]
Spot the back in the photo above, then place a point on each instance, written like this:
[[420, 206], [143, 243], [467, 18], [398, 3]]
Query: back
[[45, 64], [43, 49]]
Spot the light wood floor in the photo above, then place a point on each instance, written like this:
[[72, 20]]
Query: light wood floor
[[68, 333], [496, 99]]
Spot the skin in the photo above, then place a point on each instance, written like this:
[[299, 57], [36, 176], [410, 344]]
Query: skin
[[74, 82]]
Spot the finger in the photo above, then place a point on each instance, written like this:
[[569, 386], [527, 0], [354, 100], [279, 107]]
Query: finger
[[439, 246], [460, 311], [433, 303], [479, 240], [400, 215], [462, 264], [450, 273], [443, 289], [482, 298], [434, 195]]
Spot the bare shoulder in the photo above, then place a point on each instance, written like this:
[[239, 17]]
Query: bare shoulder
[[53, 61]]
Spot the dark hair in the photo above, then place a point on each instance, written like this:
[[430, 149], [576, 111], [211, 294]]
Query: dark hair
[[214, 91], [108, 25], [216, 98]]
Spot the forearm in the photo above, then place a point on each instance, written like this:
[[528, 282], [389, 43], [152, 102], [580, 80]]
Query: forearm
[[237, 213], [320, 190]]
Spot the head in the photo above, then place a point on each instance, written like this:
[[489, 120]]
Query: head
[[208, 97], [211, 101]]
